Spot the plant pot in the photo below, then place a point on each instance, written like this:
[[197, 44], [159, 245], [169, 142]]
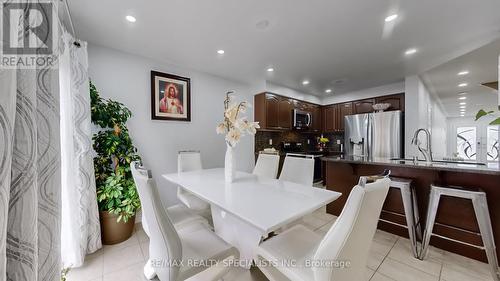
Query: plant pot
[[113, 232]]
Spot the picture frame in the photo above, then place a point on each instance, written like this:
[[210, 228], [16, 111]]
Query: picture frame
[[170, 97]]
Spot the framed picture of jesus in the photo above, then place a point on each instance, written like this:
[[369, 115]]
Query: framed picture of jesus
[[170, 97]]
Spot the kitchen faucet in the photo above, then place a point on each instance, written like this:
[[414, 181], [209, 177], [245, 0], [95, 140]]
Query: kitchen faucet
[[427, 152]]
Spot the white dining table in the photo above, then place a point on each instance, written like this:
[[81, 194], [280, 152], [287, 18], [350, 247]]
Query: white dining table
[[251, 207]]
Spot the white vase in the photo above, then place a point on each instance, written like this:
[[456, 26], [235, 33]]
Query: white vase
[[229, 168]]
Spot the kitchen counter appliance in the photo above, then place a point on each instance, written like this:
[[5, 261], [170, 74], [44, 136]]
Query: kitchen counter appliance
[[302, 120], [374, 135]]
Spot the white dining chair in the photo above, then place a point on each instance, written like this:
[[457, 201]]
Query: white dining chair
[[188, 161], [178, 254], [298, 169], [267, 165], [180, 215], [341, 254]]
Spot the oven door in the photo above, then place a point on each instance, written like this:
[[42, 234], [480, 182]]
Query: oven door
[[301, 119]]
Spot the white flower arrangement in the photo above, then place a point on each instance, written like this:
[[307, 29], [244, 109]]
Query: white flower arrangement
[[234, 125]]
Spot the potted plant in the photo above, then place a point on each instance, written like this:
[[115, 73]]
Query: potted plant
[[481, 113], [117, 196]]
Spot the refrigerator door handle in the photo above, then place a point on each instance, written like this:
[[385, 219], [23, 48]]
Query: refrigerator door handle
[[369, 136]]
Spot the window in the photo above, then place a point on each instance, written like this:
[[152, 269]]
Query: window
[[466, 142], [492, 147]]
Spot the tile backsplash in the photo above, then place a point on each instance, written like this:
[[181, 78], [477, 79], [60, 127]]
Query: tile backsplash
[[262, 140]]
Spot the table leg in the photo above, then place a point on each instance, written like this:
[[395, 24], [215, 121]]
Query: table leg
[[242, 235]]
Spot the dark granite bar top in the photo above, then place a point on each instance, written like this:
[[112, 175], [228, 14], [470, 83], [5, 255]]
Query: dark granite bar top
[[328, 152], [490, 168]]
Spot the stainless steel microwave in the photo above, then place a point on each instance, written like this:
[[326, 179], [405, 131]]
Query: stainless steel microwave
[[302, 120]]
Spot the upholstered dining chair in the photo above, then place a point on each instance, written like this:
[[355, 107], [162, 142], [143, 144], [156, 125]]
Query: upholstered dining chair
[[340, 254], [267, 165], [180, 215], [298, 169], [187, 161], [178, 254]]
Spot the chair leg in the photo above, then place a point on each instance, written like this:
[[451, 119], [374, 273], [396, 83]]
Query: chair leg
[[429, 224], [416, 215], [409, 213], [483, 219], [149, 271]]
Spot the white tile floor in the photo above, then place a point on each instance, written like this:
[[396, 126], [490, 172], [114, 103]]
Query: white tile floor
[[390, 259]]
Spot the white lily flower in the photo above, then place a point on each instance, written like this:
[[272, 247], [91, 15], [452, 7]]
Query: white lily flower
[[233, 136], [221, 129]]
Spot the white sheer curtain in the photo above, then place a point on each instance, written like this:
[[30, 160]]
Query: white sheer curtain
[[30, 179], [80, 229]]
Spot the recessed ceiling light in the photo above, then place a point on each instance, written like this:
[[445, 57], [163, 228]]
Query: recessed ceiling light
[[462, 106], [410, 51], [462, 115], [270, 69], [465, 72], [462, 85], [463, 93], [263, 24], [220, 52], [391, 17], [305, 82], [462, 98], [328, 90], [463, 103], [130, 18]]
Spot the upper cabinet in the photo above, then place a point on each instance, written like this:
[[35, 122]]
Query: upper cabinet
[[345, 109], [397, 102], [316, 117], [363, 106], [331, 118], [285, 111], [272, 104], [273, 111]]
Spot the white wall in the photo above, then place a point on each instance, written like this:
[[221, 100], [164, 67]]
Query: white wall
[[292, 93], [394, 88], [422, 110], [126, 78]]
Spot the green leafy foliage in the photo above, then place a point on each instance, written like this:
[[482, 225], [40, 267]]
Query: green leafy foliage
[[481, 113], [116, 191]]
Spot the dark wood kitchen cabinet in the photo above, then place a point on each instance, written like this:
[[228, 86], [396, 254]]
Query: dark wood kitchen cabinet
[[397, 102], [285, 109], [273, 112], [363, 106], [316, 118], [331, 118], [345, 109]]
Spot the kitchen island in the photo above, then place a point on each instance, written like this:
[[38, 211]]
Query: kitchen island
[[455, 218]]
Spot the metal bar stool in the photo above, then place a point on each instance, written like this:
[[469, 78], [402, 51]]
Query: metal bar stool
[[481, 211], [411, 211]]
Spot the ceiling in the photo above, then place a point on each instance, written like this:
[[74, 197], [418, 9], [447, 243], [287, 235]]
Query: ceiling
[[344, 45], [482, 65]]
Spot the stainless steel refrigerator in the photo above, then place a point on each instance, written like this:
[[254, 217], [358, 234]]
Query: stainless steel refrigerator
[[374, 135]]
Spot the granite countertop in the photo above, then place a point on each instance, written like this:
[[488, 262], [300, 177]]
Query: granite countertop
[[281, 153], [490, 168]]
